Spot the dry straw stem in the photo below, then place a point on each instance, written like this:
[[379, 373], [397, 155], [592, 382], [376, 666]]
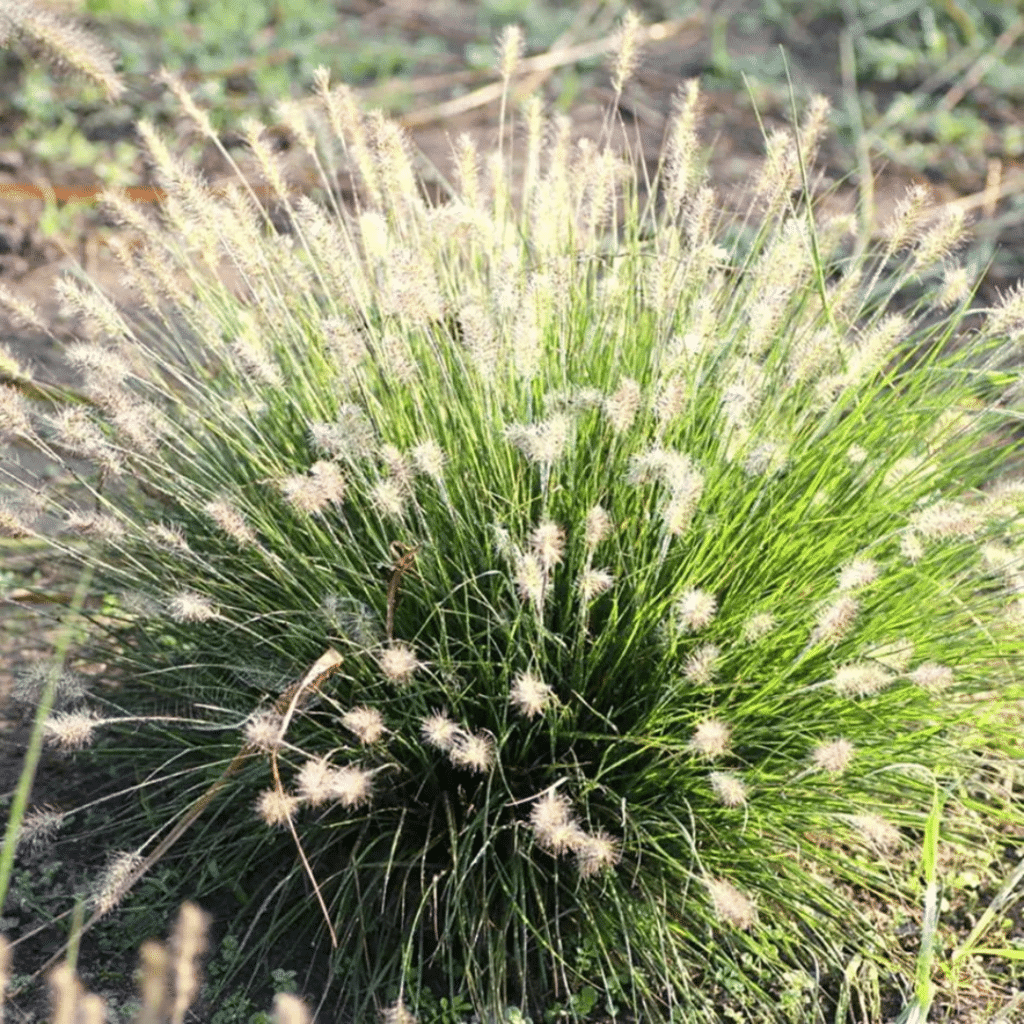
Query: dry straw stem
[[535, 69]]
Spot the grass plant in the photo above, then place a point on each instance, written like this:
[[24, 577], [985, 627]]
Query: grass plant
[[567, 594]]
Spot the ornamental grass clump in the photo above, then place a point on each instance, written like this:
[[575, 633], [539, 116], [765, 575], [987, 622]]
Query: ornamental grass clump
[[559, 587]]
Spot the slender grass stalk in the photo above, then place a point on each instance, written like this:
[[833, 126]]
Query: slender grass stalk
[[34, 749]]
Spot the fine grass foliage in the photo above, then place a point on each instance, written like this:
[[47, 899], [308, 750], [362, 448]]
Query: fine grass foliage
[[531, 598]]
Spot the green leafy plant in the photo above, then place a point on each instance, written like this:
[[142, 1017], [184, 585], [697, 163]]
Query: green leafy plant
[[529, 600]]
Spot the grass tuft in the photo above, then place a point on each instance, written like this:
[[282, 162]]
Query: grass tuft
[[564, 595]]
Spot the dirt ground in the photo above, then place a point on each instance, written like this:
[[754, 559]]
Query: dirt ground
[[31, 261]]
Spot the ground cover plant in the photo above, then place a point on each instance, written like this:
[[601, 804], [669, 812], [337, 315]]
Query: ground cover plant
[[562, 595]]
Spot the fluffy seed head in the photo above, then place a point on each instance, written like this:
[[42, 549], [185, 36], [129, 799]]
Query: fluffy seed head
[[835, 621], [729, 788], [71, 730], [276, 807], [366, 723], [389, 497], [702, 665], [530, 580], [1007, 317], [115, 881], [351, 786], [473, 751], [947, 520], [695, 610], [429, 459], [956, 286], [598, 526], [439, 731], [878, 833], [833, 757], [398, 1013], [731, 906], [596, 852], [313, 781], [907, 217], [102, 527], [230, 520], [593, 582], [262, 731], [932, 677], [758, 626], [711, 738], [858, 573], [627, 50], [350, 436], [861, 679], [940, 239], [621, 406], [289, 1009], [66, 43], [548, 543], [398, 663], [510, 50], [38, 827], [189, 606], [554, 824], [530, 695], [311, 493], [542, 442], [14, 414]]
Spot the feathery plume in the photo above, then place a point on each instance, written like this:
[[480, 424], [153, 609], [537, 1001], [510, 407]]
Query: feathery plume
[[116, 879], [71, 730], [530, 695], [757, 627], [224, 515], [833, 757], [860, 679], [276, 807], [439, 731], [729, 788], [593, 582], [188, 606], [835, 621], [313, 783], [554, 824], [262, 731], [398, 662], [598, 526], [711, 738], [63, 43], [595, 852], [510, 51], [351, 786], [731, 905], [188, 943], [367, 724], [878, 833], [627, 50], [695, 610], [473, 751]]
